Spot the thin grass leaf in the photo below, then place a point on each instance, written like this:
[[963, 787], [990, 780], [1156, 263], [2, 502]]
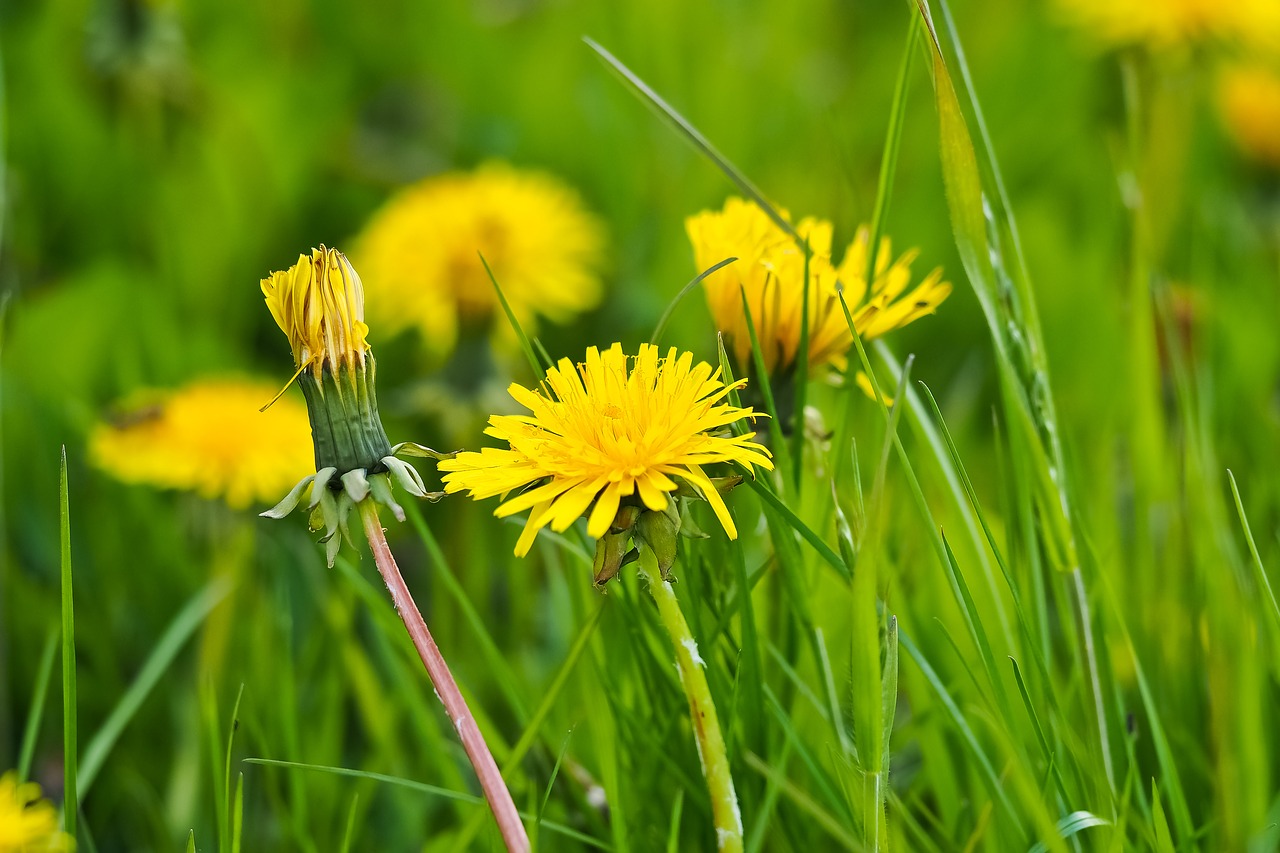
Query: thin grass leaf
[[1070, 825], [546, 795], [349, 833], [1159, 825], [766, 388], [232, 830], [31, 731], [70, 766], [670, 310], [822, 818], [191, 841], [183, 626], [673, 834], [237, 814], [534, 364], [1260, 572], [1049, 756], [800, 372]]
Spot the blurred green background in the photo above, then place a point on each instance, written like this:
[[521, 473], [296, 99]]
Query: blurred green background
[[161, 157]]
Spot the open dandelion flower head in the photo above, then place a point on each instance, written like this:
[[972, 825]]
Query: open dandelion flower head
[[1176, 24], [319, 304], [421, 252], [607, 431], [210, 438], [1249, 101], [770, 272], [28, 823]]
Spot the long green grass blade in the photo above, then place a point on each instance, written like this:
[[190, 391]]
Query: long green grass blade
[[31, 731], [1260, 572], [70, 750], [679, 297]]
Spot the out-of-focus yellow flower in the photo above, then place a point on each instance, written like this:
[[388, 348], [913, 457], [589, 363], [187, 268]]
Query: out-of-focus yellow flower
[[208, 437], [612, 431], [421, 252], [28, 823], [319, 304], [1175, 24], [770, 270], [1249, 100]]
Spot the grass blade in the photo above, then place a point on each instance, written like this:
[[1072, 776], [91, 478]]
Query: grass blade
[[1263, 582], [31, 732], [71, 798], [684, 291]]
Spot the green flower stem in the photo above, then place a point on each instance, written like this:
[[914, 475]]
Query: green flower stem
[[702, 710], [495, 790]]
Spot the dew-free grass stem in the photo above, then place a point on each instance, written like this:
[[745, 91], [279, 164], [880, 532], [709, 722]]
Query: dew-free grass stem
[[702, 710], [495, 790]]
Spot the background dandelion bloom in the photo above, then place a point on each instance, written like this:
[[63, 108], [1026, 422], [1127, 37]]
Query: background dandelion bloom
[[1249, 100], [209, 437], [770, 270], [420, 252], [602, 432], [1169, 24], [28, 824]]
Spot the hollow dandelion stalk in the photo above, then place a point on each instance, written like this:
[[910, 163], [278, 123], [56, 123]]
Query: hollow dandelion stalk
[[319, 304]]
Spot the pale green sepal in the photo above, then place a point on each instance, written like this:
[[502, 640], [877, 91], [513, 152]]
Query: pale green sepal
[[406, 475], [356, 485], [409, 448], [323, 476], [290, 501], [380, 488]]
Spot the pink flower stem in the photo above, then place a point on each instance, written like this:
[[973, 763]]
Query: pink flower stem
[[495, 790]]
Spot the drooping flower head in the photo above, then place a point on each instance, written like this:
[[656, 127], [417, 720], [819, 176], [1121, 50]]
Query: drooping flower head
[[207, 437], [319, 305], [770, 270], [1249, 101], [609, 433], [1177, 24], [421, 253], [28, 823]]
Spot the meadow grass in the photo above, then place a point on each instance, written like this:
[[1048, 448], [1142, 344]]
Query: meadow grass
[[993, 606]]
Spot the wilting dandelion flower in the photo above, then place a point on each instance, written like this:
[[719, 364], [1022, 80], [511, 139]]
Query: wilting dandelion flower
[[421, 252], [28, 823], [207, 437], [770, 271], [1249, 101], [319, 304], [610, 433], [1175, 24]]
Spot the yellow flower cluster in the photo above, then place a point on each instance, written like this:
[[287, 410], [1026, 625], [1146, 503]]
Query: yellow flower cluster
[[421, 253], [1175, 24], [1249, 101], [607, 431], [210, 438], [770, 272], [28, 823], [319, 304]]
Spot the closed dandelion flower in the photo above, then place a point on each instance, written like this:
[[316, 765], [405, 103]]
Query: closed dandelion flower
[[770, 271], [28, 823], [319, 305], [421, 253], [1177, 24], [612, 438], [207, 437], [1249, 101]]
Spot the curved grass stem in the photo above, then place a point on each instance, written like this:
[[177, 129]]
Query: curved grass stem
[[495, 790], [702, 710]]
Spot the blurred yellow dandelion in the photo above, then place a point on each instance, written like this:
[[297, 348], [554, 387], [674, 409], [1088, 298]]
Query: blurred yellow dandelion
[[28, 823], [1249, 100], [612, 430], [421, 252], [1172, 24], [208, 437], [770, 271]]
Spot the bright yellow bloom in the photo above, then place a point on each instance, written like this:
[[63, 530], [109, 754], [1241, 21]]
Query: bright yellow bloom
[[28, 824], [421, 252], [1249, 100], [770, 270], [319, 304], [208, 437], [608, 433], [1174, 24]]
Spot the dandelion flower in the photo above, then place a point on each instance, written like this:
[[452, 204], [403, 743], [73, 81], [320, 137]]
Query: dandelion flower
[[421, 252], [28, 823], [770, 270], [609, 433], [1177, 24], [207, 437], [1249, 101], [319, 305]]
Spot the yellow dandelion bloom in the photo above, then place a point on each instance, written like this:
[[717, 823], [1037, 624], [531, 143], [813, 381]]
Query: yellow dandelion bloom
[[1249, 101], [1177, 24], [210, 438], [770, 270], [28, 823], [614, 431], [421, 252], [319, 304]]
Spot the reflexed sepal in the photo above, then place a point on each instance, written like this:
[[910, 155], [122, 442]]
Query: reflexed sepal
[[409, 448], [290, 501]]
